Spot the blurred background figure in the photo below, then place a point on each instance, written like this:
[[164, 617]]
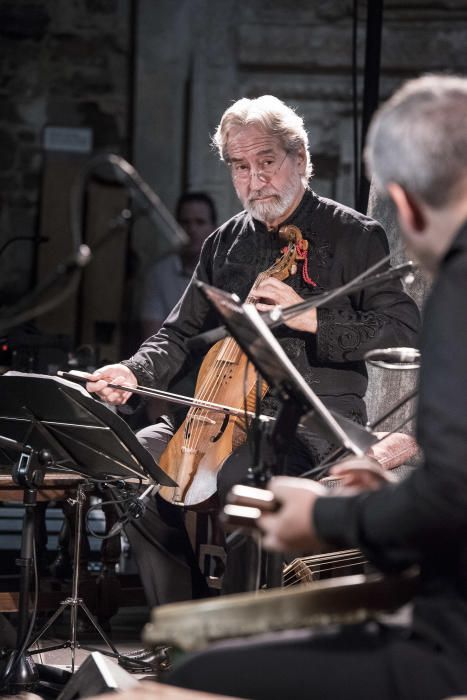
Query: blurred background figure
[[167, 279]]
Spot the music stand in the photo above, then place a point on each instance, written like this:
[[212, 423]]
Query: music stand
[[299, 403], [55, 422], [263, 349]]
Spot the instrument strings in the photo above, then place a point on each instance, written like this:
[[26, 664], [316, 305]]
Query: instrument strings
[[312, 567], [230, 353]]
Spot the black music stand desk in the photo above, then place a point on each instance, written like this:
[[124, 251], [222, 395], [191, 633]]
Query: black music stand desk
[[263, 349], [83, 434]]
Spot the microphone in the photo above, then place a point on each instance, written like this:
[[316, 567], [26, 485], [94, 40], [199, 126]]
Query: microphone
[[81, 258], [135, 510], [404, 271], [175, 237], [394, 358], [31, 305]]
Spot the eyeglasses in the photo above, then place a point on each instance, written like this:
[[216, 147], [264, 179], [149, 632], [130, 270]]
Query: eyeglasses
[[265, 170]]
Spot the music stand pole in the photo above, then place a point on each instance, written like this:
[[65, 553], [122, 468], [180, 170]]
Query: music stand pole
[[271, 450], [20, 672], [296, 396]]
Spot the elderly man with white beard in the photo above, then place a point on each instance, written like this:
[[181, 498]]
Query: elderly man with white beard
[[265, 146]]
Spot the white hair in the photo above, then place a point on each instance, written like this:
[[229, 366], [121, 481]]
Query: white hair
[[272, 115]]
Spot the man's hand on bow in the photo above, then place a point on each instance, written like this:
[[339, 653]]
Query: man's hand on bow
[[114, 374]]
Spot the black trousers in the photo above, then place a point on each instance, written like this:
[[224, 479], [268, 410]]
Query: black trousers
[[361, 662], [159, 540], [161, 545]]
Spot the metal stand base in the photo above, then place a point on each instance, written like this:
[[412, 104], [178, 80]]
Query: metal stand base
[[74, 602]]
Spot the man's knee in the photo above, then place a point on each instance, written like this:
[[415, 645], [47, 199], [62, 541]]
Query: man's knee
[[154, 438]]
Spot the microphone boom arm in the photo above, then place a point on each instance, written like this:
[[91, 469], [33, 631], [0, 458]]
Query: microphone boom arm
[[354, 285], [278, 315]]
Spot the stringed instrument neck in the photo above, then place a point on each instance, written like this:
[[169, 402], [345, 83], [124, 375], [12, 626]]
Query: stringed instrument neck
[[282, 268]]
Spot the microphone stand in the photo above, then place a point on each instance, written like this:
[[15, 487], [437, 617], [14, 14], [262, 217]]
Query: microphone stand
[[71, 268], [360, 282], [277, 316], [148, 201]]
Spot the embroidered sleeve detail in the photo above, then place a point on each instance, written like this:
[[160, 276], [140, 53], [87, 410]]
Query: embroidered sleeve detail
[[143, 373], [345, 336]]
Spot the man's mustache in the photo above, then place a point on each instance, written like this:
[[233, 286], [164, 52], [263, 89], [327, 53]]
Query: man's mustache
[[260, 195]]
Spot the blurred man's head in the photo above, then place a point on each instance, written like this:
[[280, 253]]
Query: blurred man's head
[[196, 214], [417, 152]]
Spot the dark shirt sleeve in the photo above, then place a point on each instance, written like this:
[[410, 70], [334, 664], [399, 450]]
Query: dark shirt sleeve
[[164, 355], [378, 316], [402, 524]]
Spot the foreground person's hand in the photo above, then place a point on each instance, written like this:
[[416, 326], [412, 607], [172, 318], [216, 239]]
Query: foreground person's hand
[[115, 374], [290, 528]]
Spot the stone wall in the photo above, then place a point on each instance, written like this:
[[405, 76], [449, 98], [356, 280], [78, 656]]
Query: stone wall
[[63, 64], [197, 56], [302, 55], [70, 64]]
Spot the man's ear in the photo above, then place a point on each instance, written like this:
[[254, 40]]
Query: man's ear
[[301, 158], [408, 208]]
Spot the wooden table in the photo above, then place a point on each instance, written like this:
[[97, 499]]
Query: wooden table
[[103, 593], [57, 486]]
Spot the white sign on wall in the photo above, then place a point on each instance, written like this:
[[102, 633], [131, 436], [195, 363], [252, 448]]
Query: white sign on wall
[[68, 139]]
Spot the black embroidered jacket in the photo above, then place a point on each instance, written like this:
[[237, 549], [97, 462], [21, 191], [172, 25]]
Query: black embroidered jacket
[[342, 243]]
